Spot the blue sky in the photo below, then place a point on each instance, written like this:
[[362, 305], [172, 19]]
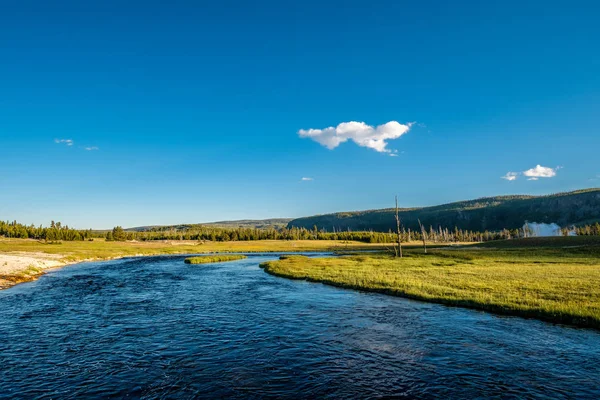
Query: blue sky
[[191, 111]]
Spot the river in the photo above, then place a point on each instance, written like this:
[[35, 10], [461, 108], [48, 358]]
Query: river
[[158, 328]]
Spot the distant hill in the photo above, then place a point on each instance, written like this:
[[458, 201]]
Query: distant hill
[[252, 223], [243, 223], [491, 213]]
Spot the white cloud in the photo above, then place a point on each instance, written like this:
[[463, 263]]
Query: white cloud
[[91, 148], [533, 174], [360, 133], [68, 142], [510, 176], [305, 179], [540, 172]]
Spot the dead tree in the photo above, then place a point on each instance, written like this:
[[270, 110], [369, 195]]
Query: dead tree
[[399, 252], [423, 236]]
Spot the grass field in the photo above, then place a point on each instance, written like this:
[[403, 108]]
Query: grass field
[[100, 249], [552, 279], [214, 259]]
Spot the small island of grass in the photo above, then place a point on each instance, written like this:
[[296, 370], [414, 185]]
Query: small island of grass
[[214, 258]]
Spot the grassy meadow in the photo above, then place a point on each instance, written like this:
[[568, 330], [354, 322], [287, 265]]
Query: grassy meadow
[[214, 259], [552, 279], [100, 249]]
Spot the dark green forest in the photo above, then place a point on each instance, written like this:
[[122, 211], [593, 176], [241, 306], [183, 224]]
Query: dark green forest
[[56, 231], [242, 223], [487, 214]]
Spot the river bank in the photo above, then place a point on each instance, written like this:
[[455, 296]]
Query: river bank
[[550, 279], [22, 267]]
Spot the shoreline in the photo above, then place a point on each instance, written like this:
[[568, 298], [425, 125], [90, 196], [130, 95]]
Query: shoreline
[[31, 272], [20, 267], [528, 283], [30, 266], [24, 260], [44, 264], [569, 321], [13, 275]]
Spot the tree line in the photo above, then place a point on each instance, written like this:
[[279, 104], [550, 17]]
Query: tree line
[[56, 231], [585, 230], [431, 234]]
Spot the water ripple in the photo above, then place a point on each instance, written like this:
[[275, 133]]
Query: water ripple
[[156, 328]]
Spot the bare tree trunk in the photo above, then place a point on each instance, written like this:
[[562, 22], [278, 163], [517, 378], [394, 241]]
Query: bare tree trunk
[[399, 253], [423, 236]]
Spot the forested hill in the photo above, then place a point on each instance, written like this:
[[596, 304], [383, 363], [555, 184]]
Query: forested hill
[[244, 223], [492, 213], [252, 223]]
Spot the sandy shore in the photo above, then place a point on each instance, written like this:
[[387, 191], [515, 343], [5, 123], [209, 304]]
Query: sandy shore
[[20, 267], [20, 261]]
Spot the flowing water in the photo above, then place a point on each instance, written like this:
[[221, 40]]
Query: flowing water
[[159, 328]]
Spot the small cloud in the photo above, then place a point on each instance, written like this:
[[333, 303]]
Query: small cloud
[[533, 174], [91, 148], [307, 179], [68, 142], [360, 133], [541, 172], [510, 176]]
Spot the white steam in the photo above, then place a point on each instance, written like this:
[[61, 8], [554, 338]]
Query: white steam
[[533, 229]]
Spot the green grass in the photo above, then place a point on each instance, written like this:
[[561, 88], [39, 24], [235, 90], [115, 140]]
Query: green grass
[[535, 279], [213, 259], [546, 242], [102, 250]]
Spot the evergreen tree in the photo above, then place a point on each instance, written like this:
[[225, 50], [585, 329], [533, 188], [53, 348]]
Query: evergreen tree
[[119, 234]]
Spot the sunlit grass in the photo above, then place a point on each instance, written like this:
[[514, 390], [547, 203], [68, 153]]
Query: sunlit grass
[[214, 259], [102, 250], [552, 284]]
